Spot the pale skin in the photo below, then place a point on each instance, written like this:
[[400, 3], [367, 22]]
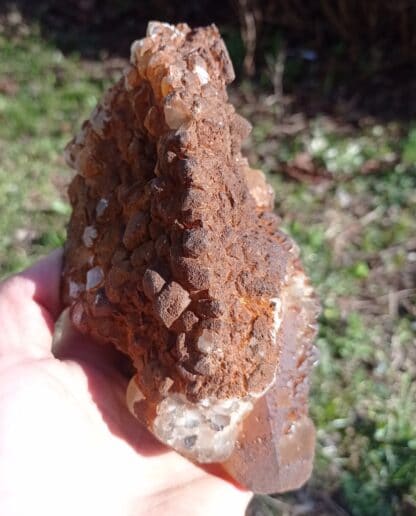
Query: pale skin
[[68, 445]]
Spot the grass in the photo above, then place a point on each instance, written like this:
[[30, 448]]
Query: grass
[[356, 235], [356, 230], [43, 99]]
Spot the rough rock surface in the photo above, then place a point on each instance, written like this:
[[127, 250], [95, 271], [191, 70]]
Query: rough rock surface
[[173, 252]]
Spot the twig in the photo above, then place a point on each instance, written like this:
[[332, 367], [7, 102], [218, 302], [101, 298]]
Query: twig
[[249, 35], [276, 72], [394, 299], [298, 510]]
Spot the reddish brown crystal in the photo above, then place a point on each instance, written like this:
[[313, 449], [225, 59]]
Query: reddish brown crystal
[[275, 449], [174, 255]]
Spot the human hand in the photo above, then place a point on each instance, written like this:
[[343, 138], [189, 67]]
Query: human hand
[[68, 445]]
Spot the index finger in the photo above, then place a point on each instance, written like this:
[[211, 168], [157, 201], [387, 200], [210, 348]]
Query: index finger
[[29, 306]]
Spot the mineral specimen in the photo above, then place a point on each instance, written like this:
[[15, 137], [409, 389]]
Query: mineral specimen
[[174, 255]]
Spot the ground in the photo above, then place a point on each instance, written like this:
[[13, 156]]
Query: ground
[[345, 190]]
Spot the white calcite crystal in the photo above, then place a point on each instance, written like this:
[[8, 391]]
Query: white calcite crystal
[[102, 205], [94, 277], [202, 74], [205, 431], [75, 289], [89, 235]]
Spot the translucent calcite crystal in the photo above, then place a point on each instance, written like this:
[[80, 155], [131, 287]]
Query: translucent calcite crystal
[[175, 256]]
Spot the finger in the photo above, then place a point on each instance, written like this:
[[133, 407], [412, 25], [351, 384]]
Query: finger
[[70, 344], [189, 490], [29, 306], [43, 283], [108, 372]]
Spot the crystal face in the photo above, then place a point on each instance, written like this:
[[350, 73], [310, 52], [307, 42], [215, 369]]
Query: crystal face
[[205, 431], [275, 449], [175, 256]]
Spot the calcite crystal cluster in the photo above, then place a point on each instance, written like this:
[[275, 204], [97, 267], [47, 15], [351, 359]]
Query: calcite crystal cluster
[[175, 256]]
